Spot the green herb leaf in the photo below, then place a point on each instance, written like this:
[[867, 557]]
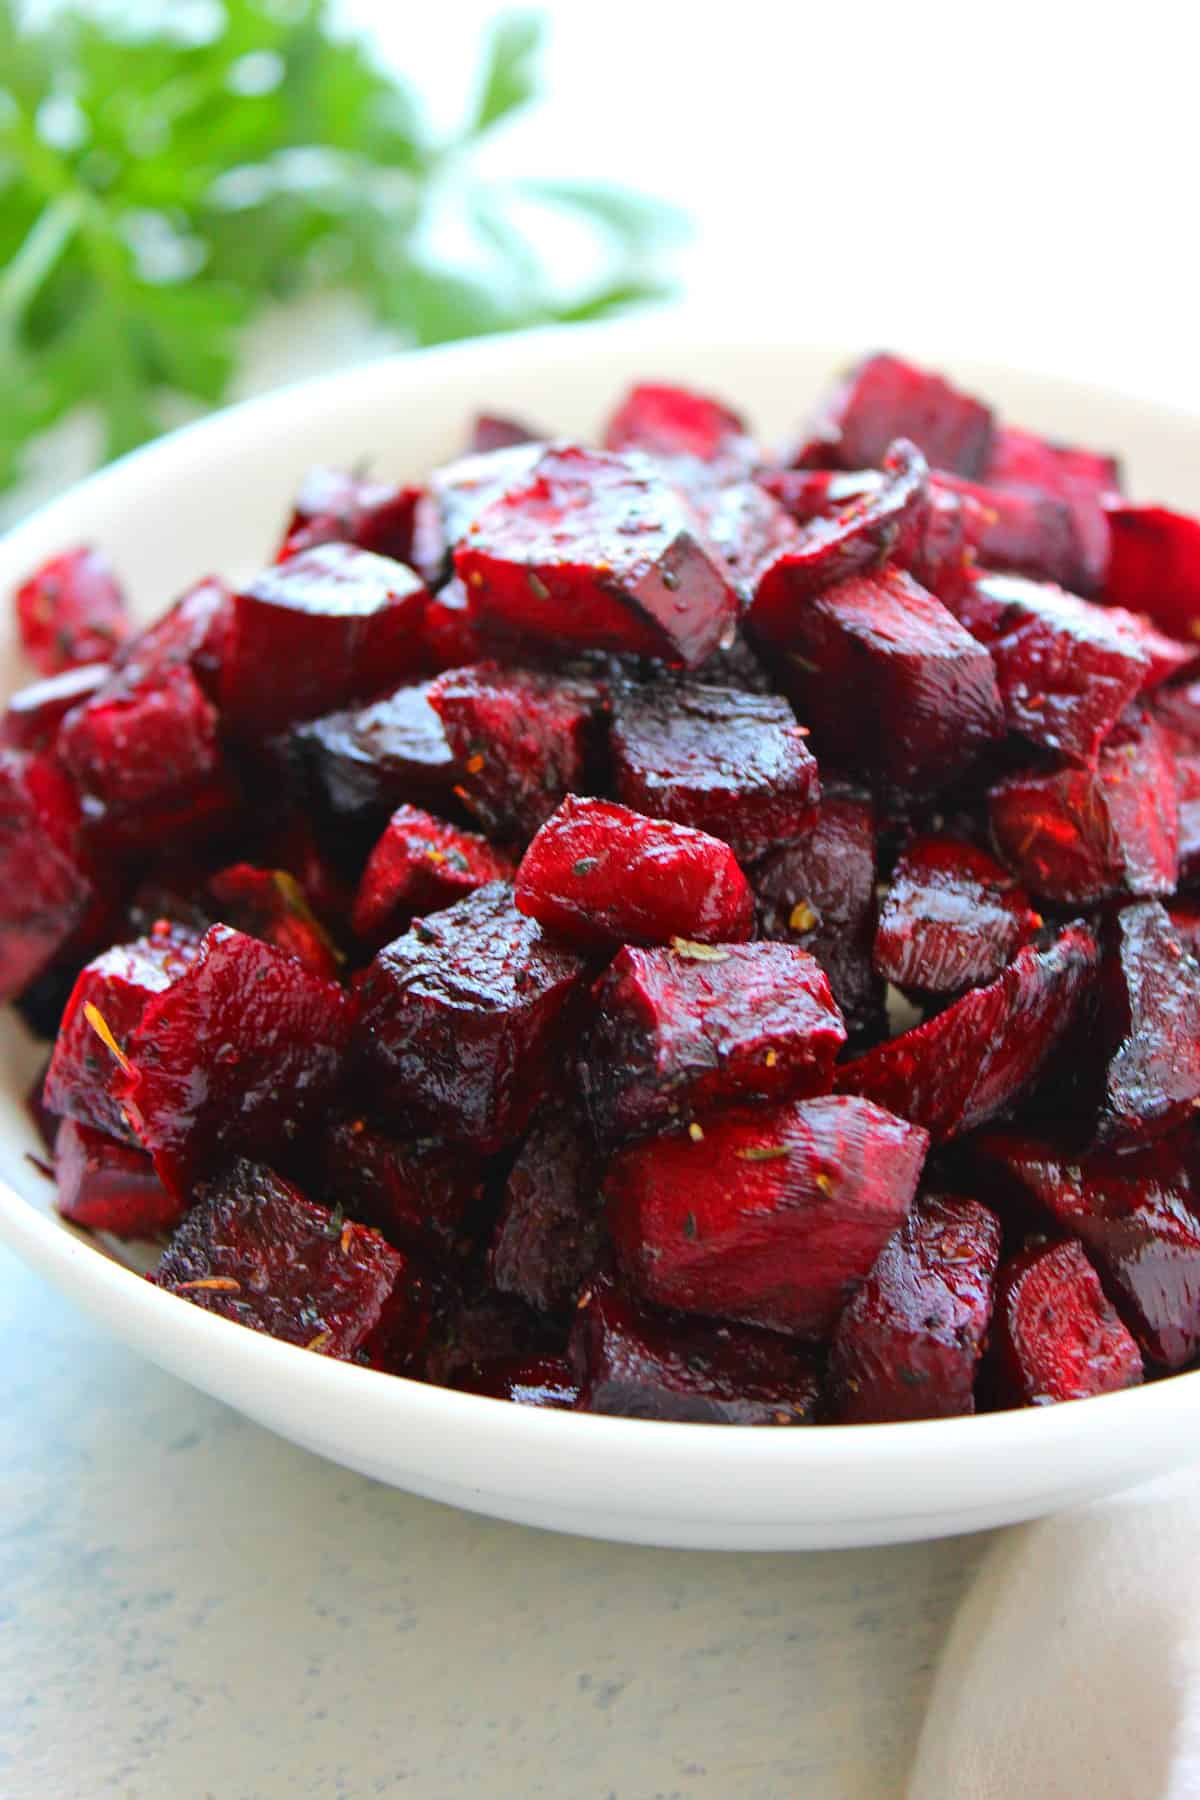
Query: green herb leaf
[[508, 78]]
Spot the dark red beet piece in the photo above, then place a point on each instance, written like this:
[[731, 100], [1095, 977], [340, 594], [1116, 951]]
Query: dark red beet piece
[[596, 551], [44, 1122], [419, 865], [461, 1019], [926, 700], [968, 1063], [884, 398], [416, 1191], [681, 429], [1084, 478], [1082, 834], [328, 627], [640, 1365], [770, 1215], [729, 763], [1178, 708], [680, 1030], [951, 918], [71, 611], [747, 527], [193, 632], [1055, 1336], [599, 874], [492, 431], [1154, 566], [1021, 530], [364, 763], [909, 1342], [1187, 792], [34, 713], [270, 904], [451, 641], [337, 507], [47, 891], [117, 987], [548, 1234], [522, 740], [256, 1250], [1151, 995], [477, 1329], [525, 1380], [235, 1055], [461, 490], [107, 1186]]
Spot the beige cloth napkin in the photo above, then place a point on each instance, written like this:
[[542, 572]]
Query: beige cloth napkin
[[1073, 1669]]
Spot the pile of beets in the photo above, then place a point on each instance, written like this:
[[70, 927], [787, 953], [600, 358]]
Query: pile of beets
[[660, 929]]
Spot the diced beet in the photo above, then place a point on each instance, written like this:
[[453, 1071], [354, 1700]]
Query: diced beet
[[925, 700], [1082, 834], [1055, 1335], [335, 506], [966, 1064], [600, 874], [522, 740], [640, 1365], [256, 1250], [113, 991], [1178, 708], [476, 1328], [328, 627], [677, 424], [747, 527], [526, 1381], [596, 551], [951, 918], [461, 490], [737, 666], [770, 1215], [1154, 566], [270, 904], [364, 763], [727, 762], [419, 865], [451, 641], [820, 893], [34, 713], [885, 398], [1151, 996], [107, 1186], [909, 1342], [1187, 792], [235, 1055], [943, 559], [1084, 478], [548, 1234], [1168, 658], [193, 632], [47, 890], [416, 1191], [71, 611], [677, 1031], [492, 431], [1021, 530], [461, 1019]]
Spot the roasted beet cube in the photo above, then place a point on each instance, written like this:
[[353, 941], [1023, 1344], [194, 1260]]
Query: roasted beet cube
[[770, 1215], [34, 713], [884, 398], [71, 611], [417, 1191], [891, 682], [1084, 478], [194, 632], [107, 1186], [730, 763], [1151, 1005], [1154, 566], [256, 1250], [549, 1230], [451, 641], [1187, 792], [234, 1055], [270, 904], [419, 865], [335, 506], [461, 1019], [461, 490], [966, 1064], [694, 435], [1055, 1334], [909, 1342], [641, 1365], [1021, 530], [363, 763], [596, 551], [951, 918], [680, 1030], [329, 626], [493, 431], [599, 874], [525, 1380], [109, 997], [1082, 834], [47, 891], [476, 1329], [522, 740]]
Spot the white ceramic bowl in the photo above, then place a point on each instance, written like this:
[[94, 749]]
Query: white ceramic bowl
[[213, 497]]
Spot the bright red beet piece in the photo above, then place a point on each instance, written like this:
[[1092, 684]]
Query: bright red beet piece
[[600, 874], [329, 626], [747, 527], [952, 918], [884, 398], [677, 1031], [451, 641], [492, 431], [34, 713], [1055, 1335], [417, 1191], [337, 507], [968, 1063], [106, 1186], [548, 1234], [925, 695], [1082, 834], [1151, 995], [47, 891], [71, 611], [116, 987], [596, 551], [1021, 530], [522, 740], [235, 1055], [460, 491], [1154, 566], [909, 1342], [727, 762], [1084, 478], [364, 763], [193, 632], [676, 423], [270, 904], [419, 865], [1187, 791], [640, 1365], [771, 1215], [462, 1019], [525, 1380], [256, 1250]]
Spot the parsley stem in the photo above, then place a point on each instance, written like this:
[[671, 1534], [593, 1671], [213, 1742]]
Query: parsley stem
[[44, 243]]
